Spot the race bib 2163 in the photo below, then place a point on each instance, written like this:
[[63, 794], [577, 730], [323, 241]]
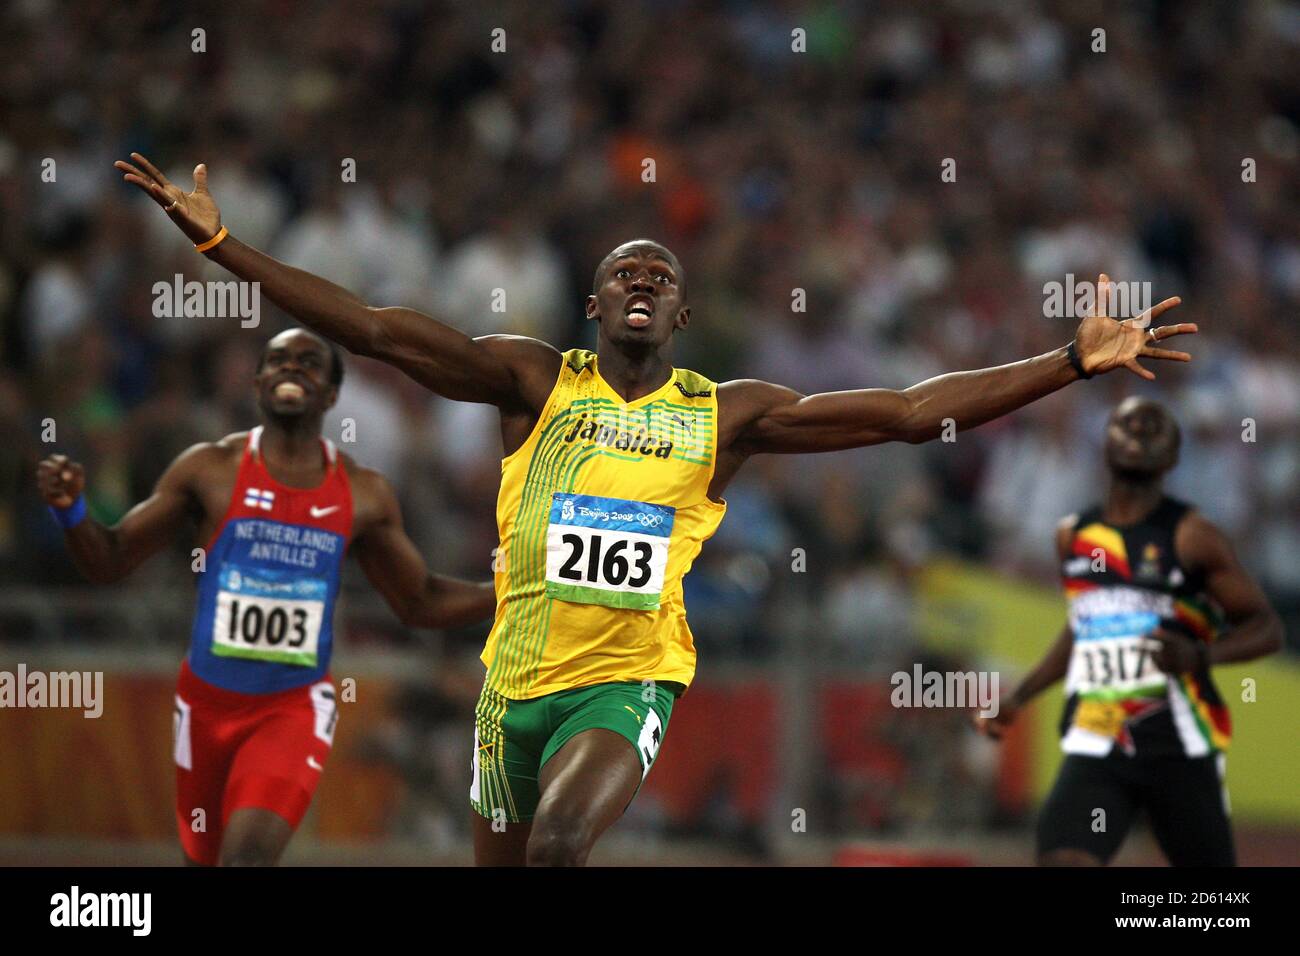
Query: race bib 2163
[[607, 551]]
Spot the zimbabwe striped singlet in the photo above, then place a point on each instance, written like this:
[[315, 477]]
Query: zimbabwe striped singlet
[[1122, 583], [601, 513]]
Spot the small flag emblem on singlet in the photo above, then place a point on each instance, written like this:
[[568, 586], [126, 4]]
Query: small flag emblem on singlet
[[256, 498]]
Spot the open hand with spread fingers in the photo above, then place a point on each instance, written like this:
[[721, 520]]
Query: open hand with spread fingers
[[196, 213], [1105, 344]]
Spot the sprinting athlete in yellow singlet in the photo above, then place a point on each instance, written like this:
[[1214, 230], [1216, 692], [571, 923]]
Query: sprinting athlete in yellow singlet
[[615, 467], [602, 510]]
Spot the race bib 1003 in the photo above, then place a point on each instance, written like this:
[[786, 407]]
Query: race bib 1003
[[268, 615], [607, 551]]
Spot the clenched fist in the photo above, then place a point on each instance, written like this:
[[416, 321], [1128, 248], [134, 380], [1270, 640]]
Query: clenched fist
[[60, 481], [996, 727]]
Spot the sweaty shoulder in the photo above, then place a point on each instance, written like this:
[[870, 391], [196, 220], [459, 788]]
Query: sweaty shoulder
[[364, 481], [373, 499], [212, 454], [208, 463], [534, 364]]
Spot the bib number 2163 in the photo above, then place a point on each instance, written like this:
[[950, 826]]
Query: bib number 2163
[[607, 551]]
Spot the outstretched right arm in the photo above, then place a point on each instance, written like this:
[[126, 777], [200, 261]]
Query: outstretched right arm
[[442, 359], [503, 370], [102, 554]]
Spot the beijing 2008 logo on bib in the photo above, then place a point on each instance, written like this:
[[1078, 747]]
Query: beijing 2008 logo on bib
[[566, 510]]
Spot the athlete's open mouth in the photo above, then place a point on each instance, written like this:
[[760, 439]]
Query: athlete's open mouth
[[288, 390], [639, 312]]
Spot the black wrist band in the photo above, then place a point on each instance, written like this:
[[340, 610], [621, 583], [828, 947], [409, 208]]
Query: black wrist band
[[1072, 354], [1203, 656]]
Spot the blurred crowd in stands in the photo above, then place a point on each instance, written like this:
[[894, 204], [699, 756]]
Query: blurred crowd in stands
[[1169, 158]]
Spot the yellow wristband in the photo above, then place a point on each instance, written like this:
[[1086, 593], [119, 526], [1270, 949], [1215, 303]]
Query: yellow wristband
[[211, 243]]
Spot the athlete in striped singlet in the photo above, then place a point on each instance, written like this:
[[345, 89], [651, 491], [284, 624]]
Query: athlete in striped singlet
[[1157, 598]]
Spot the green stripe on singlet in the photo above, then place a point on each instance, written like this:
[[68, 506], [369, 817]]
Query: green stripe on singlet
[[698, 409], [666, 408], [536, 624], [658, 420], [536, 489], [635, 456], [528, 627], [501, 663], [536, 643]]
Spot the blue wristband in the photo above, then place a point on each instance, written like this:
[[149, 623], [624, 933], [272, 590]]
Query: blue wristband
[[72, 515]]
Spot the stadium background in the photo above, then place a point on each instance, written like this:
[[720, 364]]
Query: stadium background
[[774, 171]]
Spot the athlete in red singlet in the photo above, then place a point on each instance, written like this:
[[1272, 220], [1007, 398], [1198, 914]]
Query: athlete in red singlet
[[277, 510]]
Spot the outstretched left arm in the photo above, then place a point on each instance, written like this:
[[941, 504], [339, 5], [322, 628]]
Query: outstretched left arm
[[781, 420], [395, 567]]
